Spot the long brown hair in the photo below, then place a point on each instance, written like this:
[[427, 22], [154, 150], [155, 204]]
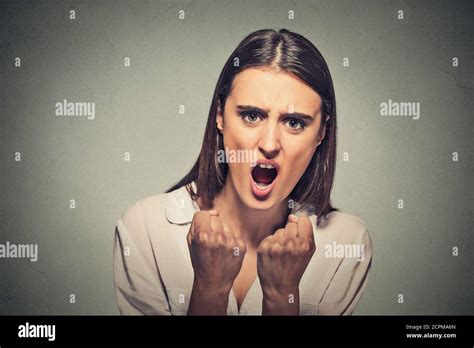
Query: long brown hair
[[289, 52]]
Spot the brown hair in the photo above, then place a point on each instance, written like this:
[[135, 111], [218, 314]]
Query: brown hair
[[289, 52]]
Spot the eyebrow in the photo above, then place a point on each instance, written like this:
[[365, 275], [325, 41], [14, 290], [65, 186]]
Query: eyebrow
[[286, 114]]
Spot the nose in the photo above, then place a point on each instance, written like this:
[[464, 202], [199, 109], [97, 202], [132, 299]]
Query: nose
[[269, 143]]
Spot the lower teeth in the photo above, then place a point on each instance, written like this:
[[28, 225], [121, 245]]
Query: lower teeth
[[261, 185]]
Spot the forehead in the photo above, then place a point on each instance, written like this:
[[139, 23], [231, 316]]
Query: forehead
[[269, 89]]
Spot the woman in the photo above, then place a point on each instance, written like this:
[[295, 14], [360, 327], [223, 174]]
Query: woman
[[259, 235]]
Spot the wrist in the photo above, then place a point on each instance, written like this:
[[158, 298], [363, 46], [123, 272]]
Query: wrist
[[208, 299], [207, 289], [281, 302], [273, 294]]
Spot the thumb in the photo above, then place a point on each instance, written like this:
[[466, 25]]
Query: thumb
[[305, 227], [216, 224], [292, 218], [213, 212]]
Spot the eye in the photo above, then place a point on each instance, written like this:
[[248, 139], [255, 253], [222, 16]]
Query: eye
[[295, 124], [250, 116]]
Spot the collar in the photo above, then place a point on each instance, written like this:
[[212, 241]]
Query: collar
[[180, 208]]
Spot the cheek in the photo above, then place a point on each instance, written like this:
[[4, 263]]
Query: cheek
[[237, 136], [298, 154]]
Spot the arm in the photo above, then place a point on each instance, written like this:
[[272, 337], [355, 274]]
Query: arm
[[216, 255], [282, 260]]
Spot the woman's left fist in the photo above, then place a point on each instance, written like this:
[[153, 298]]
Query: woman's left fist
[[283, 257]]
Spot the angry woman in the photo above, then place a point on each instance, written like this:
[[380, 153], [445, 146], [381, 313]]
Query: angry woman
[[251, 238]]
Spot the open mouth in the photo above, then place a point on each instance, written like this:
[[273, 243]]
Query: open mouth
[[263, 177]]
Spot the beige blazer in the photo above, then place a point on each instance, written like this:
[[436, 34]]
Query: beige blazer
[[153, 273]]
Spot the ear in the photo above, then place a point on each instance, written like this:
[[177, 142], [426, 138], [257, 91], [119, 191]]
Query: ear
[[322, 134], [220, 118]]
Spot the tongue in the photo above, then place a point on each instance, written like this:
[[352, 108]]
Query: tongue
[[263, 176]]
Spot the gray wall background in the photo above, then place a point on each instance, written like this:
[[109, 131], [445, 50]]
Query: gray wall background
[[177, 62]]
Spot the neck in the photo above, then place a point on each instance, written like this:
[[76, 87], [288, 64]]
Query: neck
[[253, 225]]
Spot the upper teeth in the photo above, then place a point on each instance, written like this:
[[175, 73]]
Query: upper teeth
[[268, 166]]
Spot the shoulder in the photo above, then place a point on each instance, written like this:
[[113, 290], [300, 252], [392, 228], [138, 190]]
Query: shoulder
[[140, 212], [159, 211], [136, 223], [345, 227]]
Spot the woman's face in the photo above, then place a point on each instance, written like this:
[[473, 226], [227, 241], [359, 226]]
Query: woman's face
[[277, 117]]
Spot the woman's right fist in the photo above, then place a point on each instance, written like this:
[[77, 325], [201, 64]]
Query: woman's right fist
[[216, 251]]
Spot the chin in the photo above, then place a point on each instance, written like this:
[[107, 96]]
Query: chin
[[259, 205]]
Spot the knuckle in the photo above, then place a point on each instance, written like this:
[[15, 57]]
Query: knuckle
[[220, 239], [203, 238], [290, 242], [280, 232], [197, 218], [292, 250], [276, 249], [227, 229], [305, 247], [241, 245], [216, 224], [263, 248]]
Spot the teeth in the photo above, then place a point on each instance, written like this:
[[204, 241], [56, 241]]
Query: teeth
[[262, 186], [266, 166]]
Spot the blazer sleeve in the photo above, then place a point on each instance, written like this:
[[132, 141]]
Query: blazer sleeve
[[349, 281], [138, 286]]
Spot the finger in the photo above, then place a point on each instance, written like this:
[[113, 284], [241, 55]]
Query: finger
[[292, 218], [213, 212], [279, 235], [305, 228], [203, 238], [201, 221], [219, 238], [217, 229], [290, 245], [197, 221], [216, 224], [264, 244], [291, 230], [276, 248], [228, 230]]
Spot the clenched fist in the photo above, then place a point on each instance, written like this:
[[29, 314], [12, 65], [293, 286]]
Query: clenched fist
[[283, 257], [216, 252]]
